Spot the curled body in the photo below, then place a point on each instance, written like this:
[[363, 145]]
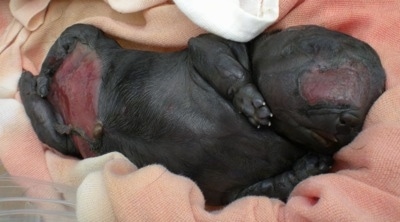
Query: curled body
[[204, 112]]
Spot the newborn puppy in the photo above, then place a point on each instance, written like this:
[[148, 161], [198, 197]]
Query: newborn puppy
[[183, 109]]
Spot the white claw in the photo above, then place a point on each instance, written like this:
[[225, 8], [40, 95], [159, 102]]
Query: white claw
[[271, 115], [264, 104], [258, 126], [269, 124]]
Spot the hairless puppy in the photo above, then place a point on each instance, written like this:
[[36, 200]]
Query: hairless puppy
[[205, 112]]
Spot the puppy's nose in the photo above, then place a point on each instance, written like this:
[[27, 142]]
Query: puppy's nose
[[348, 122]]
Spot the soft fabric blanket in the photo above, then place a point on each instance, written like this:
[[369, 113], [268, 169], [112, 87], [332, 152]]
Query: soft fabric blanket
[[364, 184]]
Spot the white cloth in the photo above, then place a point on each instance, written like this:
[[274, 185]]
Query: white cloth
[[128, 6], [238, 20]]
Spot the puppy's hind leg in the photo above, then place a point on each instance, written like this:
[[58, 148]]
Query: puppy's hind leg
[[42, 117]]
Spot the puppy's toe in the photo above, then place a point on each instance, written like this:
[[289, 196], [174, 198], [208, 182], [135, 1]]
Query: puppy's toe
[[249, 101]]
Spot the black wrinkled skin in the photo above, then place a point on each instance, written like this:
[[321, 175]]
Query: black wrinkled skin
[[199, 111]]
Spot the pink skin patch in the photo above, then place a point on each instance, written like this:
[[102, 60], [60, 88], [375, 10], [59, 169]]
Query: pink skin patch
[[74, 93], [339, 86]]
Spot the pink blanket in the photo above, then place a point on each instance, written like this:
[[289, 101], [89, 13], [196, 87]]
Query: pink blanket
[[363, 186]]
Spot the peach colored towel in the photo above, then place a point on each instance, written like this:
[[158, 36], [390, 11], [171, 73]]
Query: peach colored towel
[[364, 184]]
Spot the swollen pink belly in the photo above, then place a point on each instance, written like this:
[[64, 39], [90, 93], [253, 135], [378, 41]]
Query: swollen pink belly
[[74, 93]]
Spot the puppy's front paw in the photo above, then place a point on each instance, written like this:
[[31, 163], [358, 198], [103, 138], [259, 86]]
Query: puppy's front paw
[[249, 101]]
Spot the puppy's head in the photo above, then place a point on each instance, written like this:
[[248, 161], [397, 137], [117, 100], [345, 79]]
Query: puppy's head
[[318, 83]]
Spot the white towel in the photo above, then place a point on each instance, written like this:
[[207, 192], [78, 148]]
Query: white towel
[[238, 20]]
